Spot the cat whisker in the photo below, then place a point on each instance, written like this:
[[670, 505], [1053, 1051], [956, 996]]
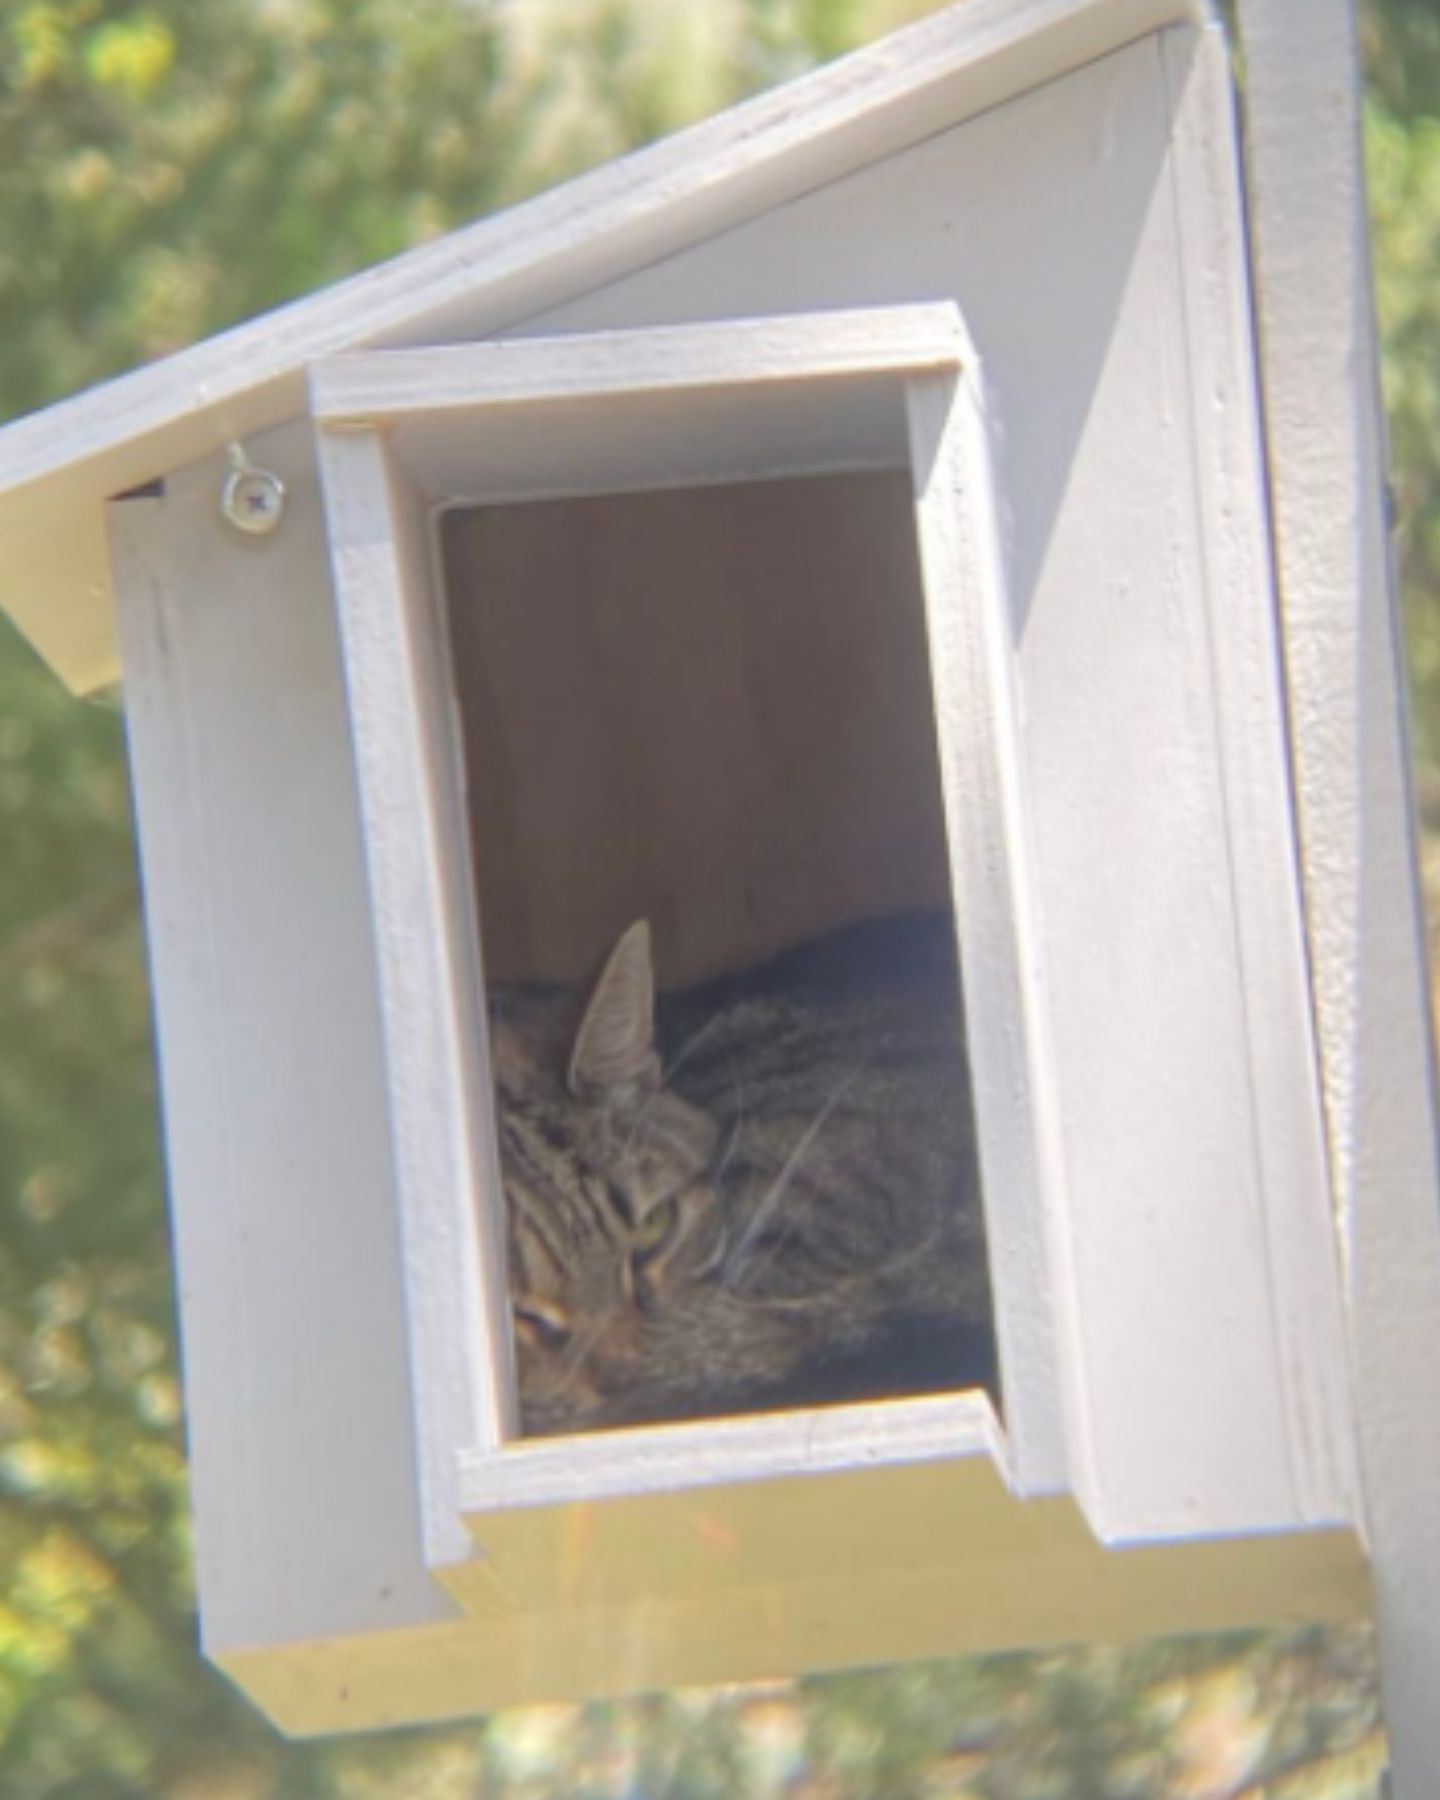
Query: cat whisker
[[666, 1077], [732, 1141], [682, 1056], [577, 1355], [735, 1268], [862, 1282]]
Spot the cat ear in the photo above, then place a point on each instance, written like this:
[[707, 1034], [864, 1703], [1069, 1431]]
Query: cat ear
[[615, 1045]]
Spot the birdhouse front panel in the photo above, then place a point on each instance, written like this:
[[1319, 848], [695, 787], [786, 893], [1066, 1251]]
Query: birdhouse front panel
[[1092, 235]]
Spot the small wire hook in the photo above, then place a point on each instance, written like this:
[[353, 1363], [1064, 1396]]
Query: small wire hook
[[252, 499]]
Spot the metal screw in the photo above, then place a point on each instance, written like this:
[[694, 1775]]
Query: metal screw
[[252, 499]]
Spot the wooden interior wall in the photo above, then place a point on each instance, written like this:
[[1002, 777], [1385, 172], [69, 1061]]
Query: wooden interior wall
[[709, 706]]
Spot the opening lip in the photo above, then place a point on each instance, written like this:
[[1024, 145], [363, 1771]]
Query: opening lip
[[379, 524], [689, 1454]]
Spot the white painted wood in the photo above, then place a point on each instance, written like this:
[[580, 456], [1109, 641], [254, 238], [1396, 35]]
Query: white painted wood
[[1352, 774], [1158, 940], [1302, 1267], [802, 1517], [57, 468], [613, 1465], [659, 440], [393, 384], [702, 403], [973, 667], [1123, 410], [431, 994], [401, 710], [298, 1401], [1016, 1577]]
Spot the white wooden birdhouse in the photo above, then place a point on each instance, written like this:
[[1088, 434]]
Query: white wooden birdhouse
[[857, 506]]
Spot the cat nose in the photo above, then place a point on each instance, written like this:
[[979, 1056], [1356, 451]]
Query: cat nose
[[542, 1324]]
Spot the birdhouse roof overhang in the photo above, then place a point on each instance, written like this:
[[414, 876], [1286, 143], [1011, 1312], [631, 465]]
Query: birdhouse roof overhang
[[59, 467]]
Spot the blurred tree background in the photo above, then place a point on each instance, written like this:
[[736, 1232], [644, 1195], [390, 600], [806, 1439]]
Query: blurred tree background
[[167, 168]]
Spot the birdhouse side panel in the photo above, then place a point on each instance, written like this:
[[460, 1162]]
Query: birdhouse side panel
[[280, 1166]]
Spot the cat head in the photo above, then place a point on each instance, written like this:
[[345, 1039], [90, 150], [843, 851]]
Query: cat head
[[613, 1213]]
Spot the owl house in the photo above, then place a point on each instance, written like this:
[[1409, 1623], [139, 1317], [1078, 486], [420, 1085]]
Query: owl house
[[555, 663]]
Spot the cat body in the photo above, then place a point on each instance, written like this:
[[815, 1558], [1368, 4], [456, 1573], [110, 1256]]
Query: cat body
[[759, 1192]]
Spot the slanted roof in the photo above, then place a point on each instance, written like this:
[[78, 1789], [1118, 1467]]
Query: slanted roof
[[58, 467]]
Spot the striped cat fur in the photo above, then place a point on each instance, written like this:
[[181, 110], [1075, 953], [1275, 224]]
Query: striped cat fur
[[758, 1193]]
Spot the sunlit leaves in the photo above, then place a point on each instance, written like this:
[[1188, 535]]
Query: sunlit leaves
[[41, 37], [133, 55], [170, 168], [1401, 39]]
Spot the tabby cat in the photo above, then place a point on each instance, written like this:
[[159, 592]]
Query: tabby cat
[[757, 1193]]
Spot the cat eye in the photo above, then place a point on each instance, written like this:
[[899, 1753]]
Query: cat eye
[[655, 1230], [540, 1325]]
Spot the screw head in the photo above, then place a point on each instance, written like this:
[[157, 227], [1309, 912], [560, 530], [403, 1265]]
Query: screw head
[[253, 500]]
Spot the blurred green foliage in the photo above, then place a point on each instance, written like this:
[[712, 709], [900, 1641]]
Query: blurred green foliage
[[166, 168], [1402, 44]]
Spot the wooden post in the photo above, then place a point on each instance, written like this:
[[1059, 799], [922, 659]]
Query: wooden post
[[1307, 193]]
